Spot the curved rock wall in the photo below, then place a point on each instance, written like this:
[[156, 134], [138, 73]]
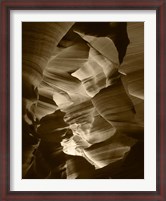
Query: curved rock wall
[[83, 102]]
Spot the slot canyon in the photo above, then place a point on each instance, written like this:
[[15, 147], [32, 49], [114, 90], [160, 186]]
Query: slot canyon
[[82, 100]]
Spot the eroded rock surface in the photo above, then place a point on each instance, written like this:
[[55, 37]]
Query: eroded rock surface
[[83, 100]]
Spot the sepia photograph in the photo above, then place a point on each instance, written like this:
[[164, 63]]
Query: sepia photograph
[[83, 100]]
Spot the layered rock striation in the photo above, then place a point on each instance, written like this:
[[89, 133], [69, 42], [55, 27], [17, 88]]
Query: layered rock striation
[[83, 100]]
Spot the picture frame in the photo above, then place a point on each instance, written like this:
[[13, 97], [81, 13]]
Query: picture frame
[[6, 7]]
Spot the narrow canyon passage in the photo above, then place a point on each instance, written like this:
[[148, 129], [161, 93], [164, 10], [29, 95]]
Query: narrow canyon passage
[[83, 100]]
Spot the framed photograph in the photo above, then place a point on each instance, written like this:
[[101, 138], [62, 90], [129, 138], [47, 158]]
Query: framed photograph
[[82, 107]]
